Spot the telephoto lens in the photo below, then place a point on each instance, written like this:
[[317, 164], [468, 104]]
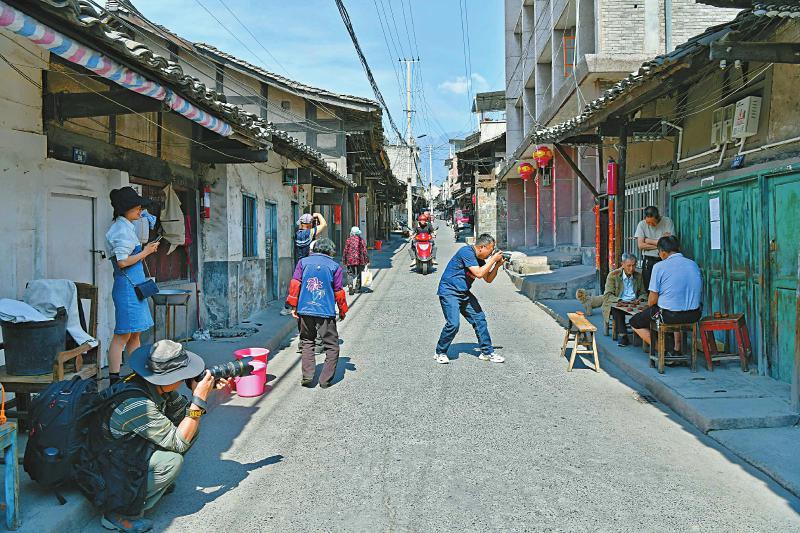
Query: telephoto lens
[[507, 256], [230, 369]]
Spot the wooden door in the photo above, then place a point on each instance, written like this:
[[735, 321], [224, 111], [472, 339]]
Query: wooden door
[[784, 219], [71, 238]]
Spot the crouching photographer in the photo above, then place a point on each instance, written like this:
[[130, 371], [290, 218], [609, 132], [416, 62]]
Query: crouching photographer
[[142, 430]]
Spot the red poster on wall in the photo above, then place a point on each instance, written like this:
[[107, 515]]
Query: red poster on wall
[[337, 214]]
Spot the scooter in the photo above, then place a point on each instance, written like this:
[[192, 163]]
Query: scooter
[[422, 252]]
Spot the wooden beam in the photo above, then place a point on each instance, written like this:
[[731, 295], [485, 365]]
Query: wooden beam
[[61, 142], [762, 52], [589, 185], [586, 139], [62, 106], [228, 155]]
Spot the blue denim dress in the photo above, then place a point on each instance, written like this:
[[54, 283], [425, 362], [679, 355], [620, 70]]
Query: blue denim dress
[[132, 314]]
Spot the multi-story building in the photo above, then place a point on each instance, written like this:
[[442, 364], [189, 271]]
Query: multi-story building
[[560, 55]]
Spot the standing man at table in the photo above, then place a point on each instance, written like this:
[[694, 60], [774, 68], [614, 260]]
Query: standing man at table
[[649, 230]]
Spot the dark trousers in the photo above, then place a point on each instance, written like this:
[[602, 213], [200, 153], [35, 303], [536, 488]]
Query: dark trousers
[[647, 269], [467, 306], [310, 326], [355, 271], [619, 321], [642, 319]]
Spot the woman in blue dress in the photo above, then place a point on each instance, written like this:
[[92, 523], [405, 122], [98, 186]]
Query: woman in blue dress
[[127, 255]]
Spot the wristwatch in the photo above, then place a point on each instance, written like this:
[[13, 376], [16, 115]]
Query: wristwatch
[[200, 403], [195, 413]]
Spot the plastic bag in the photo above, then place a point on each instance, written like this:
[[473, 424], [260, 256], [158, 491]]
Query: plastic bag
[[366, 277]]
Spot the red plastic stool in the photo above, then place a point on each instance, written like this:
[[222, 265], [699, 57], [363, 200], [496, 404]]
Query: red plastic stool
[[718, 322]]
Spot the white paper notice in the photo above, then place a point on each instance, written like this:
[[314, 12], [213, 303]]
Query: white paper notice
[[713, 207], [716, 236]]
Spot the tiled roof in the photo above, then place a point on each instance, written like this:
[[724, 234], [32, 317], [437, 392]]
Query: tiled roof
[[782, 10], [647, 71], [481, 143], [286, 82], [100, 25]]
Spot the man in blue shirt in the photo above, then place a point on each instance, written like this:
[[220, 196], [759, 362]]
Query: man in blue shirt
[[676, 288], [467, 265]]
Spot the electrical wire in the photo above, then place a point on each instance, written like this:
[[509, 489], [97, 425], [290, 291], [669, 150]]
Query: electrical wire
[[349, 26], [276, 109]]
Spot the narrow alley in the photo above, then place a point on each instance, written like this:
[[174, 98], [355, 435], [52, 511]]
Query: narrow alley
[[400, 443]]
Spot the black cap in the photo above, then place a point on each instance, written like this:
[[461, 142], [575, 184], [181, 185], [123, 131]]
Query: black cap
[[126, 198]]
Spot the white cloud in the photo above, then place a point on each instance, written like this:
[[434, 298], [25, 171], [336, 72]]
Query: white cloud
[[460, 85], [456, 86]]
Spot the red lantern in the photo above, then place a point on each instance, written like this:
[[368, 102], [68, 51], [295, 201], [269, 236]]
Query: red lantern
[[525, 171], [542, 155]]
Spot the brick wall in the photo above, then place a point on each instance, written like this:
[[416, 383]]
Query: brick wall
[[622, 23]]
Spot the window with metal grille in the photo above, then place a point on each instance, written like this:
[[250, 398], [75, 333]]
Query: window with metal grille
[[249, 226], [568, 43], [638, 195]]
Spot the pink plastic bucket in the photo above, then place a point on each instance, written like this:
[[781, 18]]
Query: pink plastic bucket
[[252, 385], [258, 354]]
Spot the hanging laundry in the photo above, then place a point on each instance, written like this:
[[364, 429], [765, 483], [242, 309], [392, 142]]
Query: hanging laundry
[[172, 220]]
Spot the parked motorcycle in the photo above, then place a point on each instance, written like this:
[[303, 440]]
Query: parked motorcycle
[[422, 252]]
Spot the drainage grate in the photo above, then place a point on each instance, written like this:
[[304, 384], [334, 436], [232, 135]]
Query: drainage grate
[[643, 398]]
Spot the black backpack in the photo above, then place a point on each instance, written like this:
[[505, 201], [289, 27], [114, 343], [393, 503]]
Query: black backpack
[[58, 430]]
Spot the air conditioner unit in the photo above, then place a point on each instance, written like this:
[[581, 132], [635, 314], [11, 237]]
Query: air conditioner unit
[[718, 133], [745, 120]]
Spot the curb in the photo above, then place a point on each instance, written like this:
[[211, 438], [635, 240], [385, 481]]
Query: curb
[[664, 395]]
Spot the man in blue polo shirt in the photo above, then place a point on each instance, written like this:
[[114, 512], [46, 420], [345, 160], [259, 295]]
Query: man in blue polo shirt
[[676, 289], [467, 265]]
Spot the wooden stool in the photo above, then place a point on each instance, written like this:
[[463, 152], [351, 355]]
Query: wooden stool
[[580, 331], [735, 323], [662, 330], [8, 443]]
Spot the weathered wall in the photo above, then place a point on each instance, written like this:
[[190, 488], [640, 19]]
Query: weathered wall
[[235, 286]]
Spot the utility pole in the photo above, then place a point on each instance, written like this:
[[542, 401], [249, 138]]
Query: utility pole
[[430, 177], [410, 143]]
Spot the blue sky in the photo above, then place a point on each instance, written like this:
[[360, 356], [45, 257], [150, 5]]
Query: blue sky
[[310, 44]]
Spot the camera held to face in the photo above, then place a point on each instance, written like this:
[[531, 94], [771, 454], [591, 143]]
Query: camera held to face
[[228, 370]]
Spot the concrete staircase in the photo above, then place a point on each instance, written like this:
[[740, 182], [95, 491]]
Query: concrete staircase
[[550, 274]]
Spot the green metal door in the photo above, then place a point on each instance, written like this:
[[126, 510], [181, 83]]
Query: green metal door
[[784, 219]]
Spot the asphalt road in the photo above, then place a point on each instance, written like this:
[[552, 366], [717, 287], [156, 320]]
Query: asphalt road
[[401, 443]]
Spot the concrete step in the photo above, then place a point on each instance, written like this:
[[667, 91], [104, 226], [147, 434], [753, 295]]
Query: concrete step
[[556, 285]]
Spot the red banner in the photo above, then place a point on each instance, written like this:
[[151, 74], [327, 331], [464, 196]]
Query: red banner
[[337, 214]]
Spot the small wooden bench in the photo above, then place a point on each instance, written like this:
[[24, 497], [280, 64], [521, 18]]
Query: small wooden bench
[[580, 332]]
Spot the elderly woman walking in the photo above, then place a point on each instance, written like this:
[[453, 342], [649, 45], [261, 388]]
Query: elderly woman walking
[[132, 314], [355, 257]]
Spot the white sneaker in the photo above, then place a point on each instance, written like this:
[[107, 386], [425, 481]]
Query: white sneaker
[[286, 312], [441, 358], [494, 358]]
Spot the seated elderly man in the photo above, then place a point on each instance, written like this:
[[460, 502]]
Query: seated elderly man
[[676, 289], [623, 284]]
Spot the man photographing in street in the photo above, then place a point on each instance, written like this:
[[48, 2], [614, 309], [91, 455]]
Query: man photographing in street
[[138, 439], [468, 264]]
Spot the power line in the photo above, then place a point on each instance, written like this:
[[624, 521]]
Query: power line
[[349, 26], [243, 25]]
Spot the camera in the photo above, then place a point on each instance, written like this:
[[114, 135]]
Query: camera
[[231, 369], [506, 256]]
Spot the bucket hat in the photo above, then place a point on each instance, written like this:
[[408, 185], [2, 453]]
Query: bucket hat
[[166, 362], [126, 198], [305, 219]]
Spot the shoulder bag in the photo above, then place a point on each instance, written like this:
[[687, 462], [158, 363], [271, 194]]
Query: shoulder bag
[[145, 289]]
